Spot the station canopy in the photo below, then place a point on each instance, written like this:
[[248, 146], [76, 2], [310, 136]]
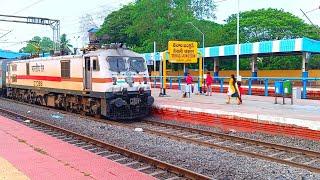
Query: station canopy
[[263, 48], [5, 54]]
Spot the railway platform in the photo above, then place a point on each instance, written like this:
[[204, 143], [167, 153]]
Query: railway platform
[[256, 114], [28, 154]]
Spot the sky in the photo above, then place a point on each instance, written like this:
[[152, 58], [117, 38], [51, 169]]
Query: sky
[[70, 11]]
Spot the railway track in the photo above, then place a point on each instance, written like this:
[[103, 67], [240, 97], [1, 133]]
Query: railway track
[[296, 157], [292, 156], [137, 161]]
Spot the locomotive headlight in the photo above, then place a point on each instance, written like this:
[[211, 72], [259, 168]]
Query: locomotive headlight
[[130, 81], [114, 80]]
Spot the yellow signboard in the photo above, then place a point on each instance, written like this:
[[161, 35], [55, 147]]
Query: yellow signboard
[[183, 51]]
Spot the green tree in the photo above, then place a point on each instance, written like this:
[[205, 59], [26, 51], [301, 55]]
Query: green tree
[[141, 23], [116, 24], [38, 45], [203, 9], [46, 44], [65, 44], [265, 25]]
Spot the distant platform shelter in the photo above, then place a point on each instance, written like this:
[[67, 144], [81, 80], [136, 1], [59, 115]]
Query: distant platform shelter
[[6, 54]]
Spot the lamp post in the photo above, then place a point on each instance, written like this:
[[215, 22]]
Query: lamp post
[[202, 48], [154, 58], [238, 43], [77, 44]]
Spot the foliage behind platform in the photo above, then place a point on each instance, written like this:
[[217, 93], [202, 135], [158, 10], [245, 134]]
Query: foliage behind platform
[[141, 23]]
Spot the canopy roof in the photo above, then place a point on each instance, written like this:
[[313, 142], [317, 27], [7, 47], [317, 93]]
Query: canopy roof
[[263, 48], [5, 54]]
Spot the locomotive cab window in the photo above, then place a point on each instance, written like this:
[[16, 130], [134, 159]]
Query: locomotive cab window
[[117, 64], [65, 69], [137, 64]]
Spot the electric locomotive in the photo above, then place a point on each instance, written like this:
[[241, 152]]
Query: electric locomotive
[[112, 82]]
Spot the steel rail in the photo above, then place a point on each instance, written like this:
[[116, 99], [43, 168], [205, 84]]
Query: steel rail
[[241, 139]]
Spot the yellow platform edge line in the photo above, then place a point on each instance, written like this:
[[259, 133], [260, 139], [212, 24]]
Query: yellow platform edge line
[[9, 172]]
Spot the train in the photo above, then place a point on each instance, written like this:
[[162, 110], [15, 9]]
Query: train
[[111, 82]]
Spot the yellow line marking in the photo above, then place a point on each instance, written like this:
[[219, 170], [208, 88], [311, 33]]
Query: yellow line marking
[[8, 171]]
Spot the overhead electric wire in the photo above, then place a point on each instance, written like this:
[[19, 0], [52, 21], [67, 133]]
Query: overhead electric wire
[[313, 9], [220, 1], [316, 27], [11, 42], [98, 13], [14, 44], [307, 17], [5, 34], [27, 7], [4, 30]]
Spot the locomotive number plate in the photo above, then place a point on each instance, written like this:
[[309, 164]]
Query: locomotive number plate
[[135, 101], [37, 83]]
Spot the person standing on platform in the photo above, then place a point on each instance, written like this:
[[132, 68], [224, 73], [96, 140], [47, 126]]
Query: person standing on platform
[[209, 81], [189, 81], [233, 90]]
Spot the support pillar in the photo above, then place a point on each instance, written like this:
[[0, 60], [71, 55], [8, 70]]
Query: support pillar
[[200, 82], [305, 60], [216, 69], [185, 70], [254, 66], [305, 74], [163, 77]]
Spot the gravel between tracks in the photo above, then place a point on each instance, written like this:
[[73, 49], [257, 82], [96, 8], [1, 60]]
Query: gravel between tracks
[[215, 163]]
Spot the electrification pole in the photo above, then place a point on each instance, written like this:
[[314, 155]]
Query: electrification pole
[[54, 24], [238, 41]]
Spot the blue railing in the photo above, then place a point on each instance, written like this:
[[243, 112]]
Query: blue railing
[[249, 81]]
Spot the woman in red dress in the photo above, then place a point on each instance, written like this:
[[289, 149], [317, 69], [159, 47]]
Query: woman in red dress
[[209, 81]]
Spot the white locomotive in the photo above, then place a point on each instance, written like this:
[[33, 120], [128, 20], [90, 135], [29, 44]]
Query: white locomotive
[[111, 82]]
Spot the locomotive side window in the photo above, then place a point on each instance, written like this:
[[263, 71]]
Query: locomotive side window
[[65, 69], [137, 64], [14, 67], [95, 65], [28, 68]]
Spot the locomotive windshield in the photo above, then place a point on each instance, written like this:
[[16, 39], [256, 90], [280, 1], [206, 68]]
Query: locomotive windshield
[[137, 64], [117, 64]]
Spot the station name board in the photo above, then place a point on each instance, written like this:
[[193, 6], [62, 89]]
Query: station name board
[[183, 51]]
